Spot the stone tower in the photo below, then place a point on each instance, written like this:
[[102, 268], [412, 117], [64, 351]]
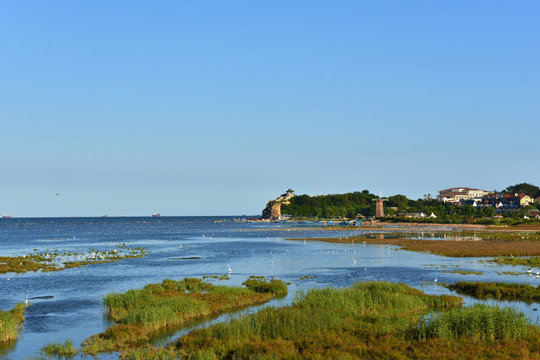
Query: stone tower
[[379, 208]]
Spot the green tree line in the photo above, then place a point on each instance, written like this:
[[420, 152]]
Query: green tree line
[[350, 205], [330, 206]]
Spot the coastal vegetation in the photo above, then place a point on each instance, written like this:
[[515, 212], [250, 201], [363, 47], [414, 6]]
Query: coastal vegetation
[[60, 350], [467, 248], [398, 208], [10, 323], [497, 290], [141, 314], [462, 272], [507, 236], [533, 261], [350, 205], [54, 260], [371, 320], [330, 206]]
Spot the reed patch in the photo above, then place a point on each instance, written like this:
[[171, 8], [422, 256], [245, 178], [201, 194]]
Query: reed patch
[[60, 350], [10, 323], [140, 314], [371, 320], [497, 290]]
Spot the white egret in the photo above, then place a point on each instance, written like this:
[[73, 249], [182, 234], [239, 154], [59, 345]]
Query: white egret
[[26, 301], [229, 266]]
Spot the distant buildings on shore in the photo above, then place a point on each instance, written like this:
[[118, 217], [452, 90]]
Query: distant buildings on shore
[[503, 202], [455, 195]]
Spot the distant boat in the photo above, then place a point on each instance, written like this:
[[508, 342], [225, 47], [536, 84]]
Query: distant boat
[[104, 215], [6, 216], [155, 214]]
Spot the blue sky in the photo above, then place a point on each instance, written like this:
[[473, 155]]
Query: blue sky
[[215, 107]]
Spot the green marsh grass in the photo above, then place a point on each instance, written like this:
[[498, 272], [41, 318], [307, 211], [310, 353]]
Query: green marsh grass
[[372, 320], [463, 272], [533, 261], [477, 323], [65, 350], [10, 323], [57, 261], [259, 284], [497, 290], [140, 314]]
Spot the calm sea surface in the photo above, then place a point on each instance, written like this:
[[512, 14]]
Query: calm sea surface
[[68, 304]]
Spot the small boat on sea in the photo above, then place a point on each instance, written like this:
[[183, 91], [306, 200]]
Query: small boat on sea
[[6, 216], [155, 214]]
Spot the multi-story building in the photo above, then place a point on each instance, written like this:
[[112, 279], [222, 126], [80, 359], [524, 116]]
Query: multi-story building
[[455, 195]]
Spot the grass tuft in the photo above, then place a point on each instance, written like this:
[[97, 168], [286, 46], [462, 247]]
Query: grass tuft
[[65, 350], [477, 323], [10, 322]]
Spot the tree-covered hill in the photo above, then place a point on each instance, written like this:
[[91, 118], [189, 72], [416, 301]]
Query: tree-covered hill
[[329, 206], [350, 205]]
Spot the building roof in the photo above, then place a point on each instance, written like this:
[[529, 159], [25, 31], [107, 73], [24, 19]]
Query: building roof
[[464, 188]]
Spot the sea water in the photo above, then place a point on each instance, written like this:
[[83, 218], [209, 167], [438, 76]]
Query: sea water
[[68, 304]]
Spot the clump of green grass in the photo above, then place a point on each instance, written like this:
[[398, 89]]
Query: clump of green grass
[[533, 261], [260, 285], [477, 323], [463, 272], [140, 314], [65, 350], [10, 322], [22, 264], [497, 290]]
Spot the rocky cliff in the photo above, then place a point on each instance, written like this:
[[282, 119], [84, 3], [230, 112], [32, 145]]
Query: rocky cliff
[[273, 208]]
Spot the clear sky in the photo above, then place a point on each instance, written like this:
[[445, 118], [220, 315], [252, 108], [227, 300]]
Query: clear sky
[[216, 107]]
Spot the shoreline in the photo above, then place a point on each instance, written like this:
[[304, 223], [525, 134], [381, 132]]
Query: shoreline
[[411, 227]]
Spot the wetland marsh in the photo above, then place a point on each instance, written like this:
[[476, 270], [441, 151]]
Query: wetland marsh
[[70, 304]]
